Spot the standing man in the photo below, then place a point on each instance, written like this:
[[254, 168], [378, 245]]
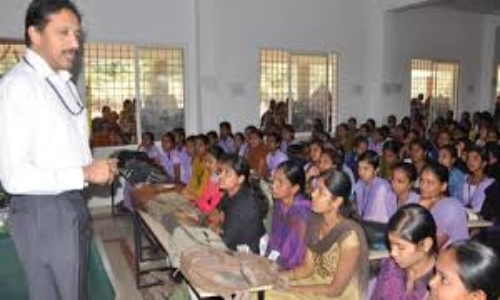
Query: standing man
[[45, 159]]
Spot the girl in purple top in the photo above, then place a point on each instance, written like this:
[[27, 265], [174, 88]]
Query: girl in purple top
[[239, 140], [450, 215], [169, 158], [315, 150], [372, 192], [226, 137], [376, 141], [291, 211], [275, 156], [186, 158], [413, 248], [477, 182], [148, 146], [287, 137], [404, 176]]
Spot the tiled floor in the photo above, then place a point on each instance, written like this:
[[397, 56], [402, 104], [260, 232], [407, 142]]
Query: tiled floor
[[116, 235]]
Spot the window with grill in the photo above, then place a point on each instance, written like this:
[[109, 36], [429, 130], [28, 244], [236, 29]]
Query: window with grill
[[304, 87], [498, 81], [121, 79], [435, 84], [161, 89], [11, 52]]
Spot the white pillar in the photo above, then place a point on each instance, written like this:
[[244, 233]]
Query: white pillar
[[488, 61], [193, 107]]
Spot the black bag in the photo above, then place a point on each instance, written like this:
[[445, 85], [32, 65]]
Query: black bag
[[491, 206], [4, 197], [136, 167], [376, 234]]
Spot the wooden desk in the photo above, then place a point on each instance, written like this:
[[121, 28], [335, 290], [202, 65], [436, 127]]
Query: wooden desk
[[475, 221], [165, 239], [477, 224]]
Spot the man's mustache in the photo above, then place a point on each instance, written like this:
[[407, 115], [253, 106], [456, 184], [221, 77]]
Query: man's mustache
[[70, 51]]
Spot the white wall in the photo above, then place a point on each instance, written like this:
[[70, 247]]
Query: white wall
[[233, 32], [490, 60], [438, 34]]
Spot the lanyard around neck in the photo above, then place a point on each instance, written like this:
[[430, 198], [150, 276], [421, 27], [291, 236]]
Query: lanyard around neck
[[59, 96]]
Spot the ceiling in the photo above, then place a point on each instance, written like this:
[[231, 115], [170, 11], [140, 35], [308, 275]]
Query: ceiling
[[477, 6]]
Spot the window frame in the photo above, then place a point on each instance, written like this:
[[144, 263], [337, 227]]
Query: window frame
[[434, 61], [137, 82], [333, 84]]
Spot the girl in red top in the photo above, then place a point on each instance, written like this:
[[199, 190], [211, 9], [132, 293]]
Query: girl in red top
[[211, 195]]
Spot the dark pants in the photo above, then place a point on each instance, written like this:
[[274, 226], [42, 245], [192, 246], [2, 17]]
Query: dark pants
[[52, 235]]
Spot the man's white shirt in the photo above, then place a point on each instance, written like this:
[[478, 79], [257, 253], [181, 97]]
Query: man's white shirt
[[43, 146]]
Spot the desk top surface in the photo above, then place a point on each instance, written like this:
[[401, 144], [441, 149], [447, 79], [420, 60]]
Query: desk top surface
[[187, 235]]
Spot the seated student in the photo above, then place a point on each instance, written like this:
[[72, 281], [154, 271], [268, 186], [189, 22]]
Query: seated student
[[493, 168], [481, 137], [186, 154], [462, 145], [448, 157], [244, 205], [213, 138], [170, 159], [318, 129], [443, 139], [336, 262], [343, 137], [376, 140], [314, 153], [148, 145], [360, 146], [390, 157], [403, 179], [332, 158], [274, 157], [473, 193], [287, 137], [257, 153], [179, 138], [372, 191], [243, 151], [199, 174], [413, 247], [226, 137], [290, 214], [329, 160], [407, 137], [239, 140], [493, 135], [211, 194], [466, 270], [449, 214], [418, 154]]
